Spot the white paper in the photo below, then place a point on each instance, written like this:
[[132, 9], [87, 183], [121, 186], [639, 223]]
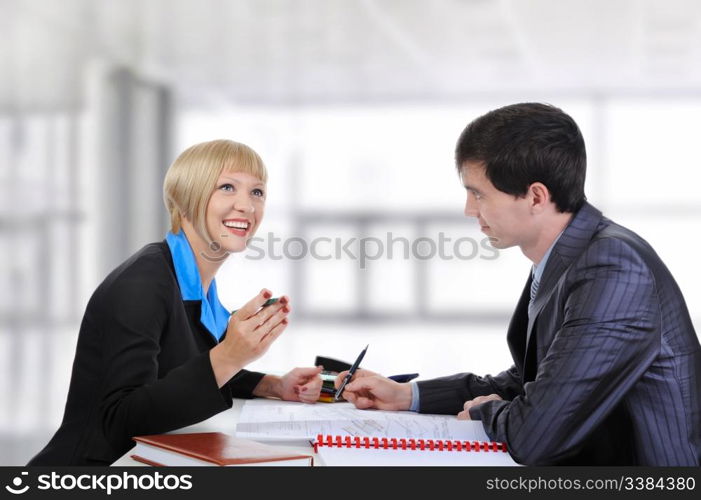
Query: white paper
[[332, 456], [264, 419], [267, 418]]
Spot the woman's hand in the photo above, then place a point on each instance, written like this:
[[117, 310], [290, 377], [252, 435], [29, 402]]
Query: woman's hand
[[299, 384], [249, 334]]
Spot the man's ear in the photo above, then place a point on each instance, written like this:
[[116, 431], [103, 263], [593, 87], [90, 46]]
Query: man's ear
[[540, 196]]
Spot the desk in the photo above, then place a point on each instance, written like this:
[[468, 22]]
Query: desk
[[442, 427], [226, 422]]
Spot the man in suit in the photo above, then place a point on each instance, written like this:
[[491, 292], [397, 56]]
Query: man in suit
[[607, 366]]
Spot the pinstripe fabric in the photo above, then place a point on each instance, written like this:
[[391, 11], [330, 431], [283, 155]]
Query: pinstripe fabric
[[607, 370]]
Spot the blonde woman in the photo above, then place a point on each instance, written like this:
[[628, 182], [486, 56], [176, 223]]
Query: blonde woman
[[156, 350]]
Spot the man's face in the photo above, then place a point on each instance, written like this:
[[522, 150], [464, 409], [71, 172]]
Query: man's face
[[504, 218]]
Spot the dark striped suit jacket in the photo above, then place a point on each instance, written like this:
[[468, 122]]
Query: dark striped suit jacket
[[608, 369]]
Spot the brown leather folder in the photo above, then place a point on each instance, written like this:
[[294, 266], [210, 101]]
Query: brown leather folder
[[214, 449]]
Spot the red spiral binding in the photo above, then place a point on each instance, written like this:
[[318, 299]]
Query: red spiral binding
[[406, 444]]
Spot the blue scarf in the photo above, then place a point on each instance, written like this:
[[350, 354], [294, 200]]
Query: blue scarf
[[213, 315]]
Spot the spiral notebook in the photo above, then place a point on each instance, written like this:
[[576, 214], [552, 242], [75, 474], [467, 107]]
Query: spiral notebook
[[367, 451], [368, 437]]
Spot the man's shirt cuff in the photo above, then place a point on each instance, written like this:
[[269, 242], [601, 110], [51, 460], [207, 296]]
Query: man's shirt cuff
[[414, 397]]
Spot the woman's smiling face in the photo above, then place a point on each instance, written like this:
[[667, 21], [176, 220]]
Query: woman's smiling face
[[235, 210]]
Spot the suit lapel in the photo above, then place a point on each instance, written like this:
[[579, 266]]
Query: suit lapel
[[571, 244]]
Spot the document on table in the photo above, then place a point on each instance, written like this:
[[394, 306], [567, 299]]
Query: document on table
[[428, 439], [274, 419]]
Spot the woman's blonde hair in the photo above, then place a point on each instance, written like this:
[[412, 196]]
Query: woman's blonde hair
[[191, 179]]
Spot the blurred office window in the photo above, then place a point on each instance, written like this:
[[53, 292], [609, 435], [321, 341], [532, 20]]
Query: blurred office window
[[132, 140], [80, 191], [355, 108], [40, 219]]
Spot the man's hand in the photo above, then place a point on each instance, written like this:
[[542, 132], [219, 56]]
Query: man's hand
[[465, 413], [360, 372], [370, 390]]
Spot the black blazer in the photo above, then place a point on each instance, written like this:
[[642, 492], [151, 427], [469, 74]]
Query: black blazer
[[608, 370], [141, 365]]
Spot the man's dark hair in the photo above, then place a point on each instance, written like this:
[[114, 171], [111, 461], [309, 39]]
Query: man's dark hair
[[525, 143]]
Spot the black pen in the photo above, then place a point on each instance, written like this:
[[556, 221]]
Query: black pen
[[350, 374]]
